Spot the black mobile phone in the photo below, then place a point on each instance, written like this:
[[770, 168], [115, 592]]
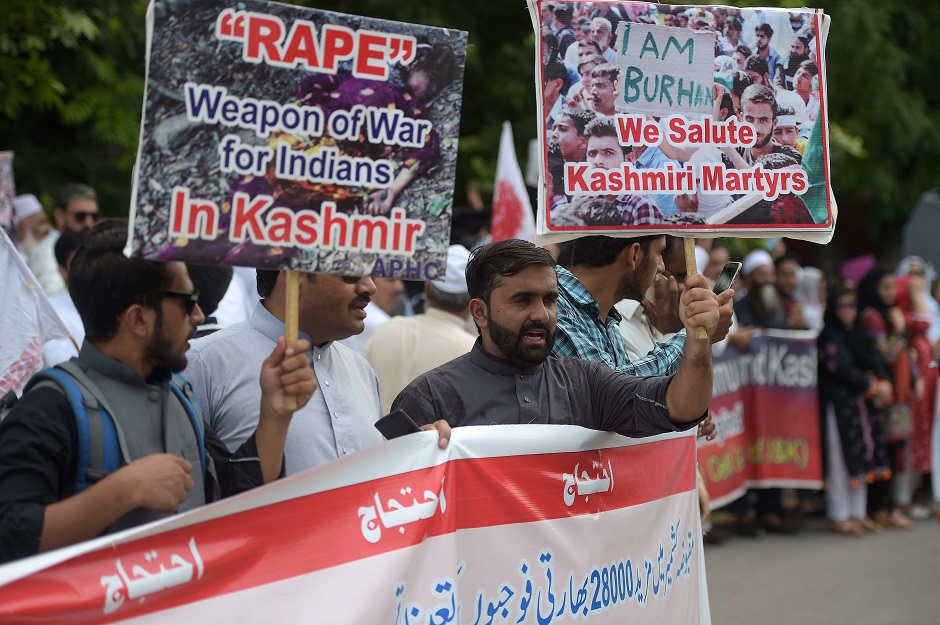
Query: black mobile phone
[[396, 423], [727, 277]]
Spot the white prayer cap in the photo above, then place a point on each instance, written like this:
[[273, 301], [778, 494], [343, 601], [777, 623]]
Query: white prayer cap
[[455, 279], [754, 260], [25, 206], [701, 258]]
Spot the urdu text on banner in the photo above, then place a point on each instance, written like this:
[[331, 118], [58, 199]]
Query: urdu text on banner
[[509, 524], [277, 136]]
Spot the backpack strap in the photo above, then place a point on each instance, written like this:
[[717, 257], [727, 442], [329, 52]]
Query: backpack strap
[[95, 399], [184, 392]]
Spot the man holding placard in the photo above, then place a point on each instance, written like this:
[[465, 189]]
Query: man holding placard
[[139, 316], [339, 420]]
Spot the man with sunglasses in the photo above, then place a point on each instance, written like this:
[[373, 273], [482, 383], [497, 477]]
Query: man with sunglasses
[[139, 316], [76, 207]]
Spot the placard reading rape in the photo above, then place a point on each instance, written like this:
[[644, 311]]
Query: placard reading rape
[[276, 136], [704, 120]]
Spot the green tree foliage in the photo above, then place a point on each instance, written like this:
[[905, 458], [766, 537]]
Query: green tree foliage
[[71, 82]]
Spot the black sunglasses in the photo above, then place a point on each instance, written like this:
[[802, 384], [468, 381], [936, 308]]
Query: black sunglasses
[[189, 299], [83, 216]]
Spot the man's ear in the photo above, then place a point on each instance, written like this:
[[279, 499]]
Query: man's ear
[[479, 312], [138, 320], [631, 256]]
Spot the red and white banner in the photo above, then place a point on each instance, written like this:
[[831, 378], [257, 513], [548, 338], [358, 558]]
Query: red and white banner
[[511, 524], [512, 211], [766, 410]]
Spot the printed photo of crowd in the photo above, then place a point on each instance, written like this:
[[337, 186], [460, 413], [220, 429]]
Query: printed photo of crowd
[[766, 73]]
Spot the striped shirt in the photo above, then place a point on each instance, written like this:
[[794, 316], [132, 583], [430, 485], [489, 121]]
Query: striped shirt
[[582, 334]]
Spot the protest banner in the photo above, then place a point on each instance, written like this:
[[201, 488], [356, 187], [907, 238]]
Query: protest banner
[[509, 524], [766, 412], [683, 140], [276, 136]]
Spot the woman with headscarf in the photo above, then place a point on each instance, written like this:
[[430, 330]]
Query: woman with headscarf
[[911, 300], [811, 293], [884, 323], [851, 374]]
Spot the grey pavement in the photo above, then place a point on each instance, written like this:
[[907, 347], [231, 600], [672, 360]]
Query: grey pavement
[[819, 577]]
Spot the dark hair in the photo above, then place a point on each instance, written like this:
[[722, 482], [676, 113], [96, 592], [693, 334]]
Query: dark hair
[[868, 293], [598, 250], [67, 243], [103, 283], [810, 67], [604, 126], [608, 70], [438, 64], [579, 116], [489, 263], [597, 59], [265, 281], [555, 70], [744, 50], [756, 63], [591, 42], [836, 290], [740, 80], [766, 29], [788, 257], [72, 191], [212, 282], [734, 23], [760, 94]]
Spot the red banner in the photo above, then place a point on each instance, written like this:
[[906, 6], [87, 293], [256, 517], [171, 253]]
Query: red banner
[[766, 411]]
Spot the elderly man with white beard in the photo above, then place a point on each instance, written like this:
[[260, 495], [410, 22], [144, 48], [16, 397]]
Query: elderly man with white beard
[[761, 305]]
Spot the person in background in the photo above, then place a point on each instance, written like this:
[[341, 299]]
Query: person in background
[[36, 240], [789, 272], [851, 373], [60, 350], [811, 292], [387, 301], [212, 282], [890, 430], [139, 316], [406, 347]]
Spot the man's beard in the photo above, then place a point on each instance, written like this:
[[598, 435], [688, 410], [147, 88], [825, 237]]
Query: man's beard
[[766, 301], [29, 241], [161, 353], [510, 343]]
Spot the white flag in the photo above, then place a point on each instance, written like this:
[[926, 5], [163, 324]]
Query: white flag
[[512, 212], [27, 320]]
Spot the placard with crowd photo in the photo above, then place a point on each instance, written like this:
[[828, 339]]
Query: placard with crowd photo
[[277, 136], [698, 120]]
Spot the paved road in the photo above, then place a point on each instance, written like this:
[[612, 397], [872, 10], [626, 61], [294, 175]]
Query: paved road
[[819, 577]]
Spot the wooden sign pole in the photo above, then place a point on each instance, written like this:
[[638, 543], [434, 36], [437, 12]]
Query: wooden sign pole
[[291, 320]]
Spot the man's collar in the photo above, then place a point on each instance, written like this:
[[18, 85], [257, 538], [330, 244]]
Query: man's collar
[[498, 366], [576, 291], [270, 326], [117, 370]]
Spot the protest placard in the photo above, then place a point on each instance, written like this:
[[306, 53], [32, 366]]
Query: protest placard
[[512, 524], [277, 136], [766, 413], [659, 127]]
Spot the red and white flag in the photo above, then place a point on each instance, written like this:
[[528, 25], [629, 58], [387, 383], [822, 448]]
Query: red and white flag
[[27, 320], [512, 212]]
